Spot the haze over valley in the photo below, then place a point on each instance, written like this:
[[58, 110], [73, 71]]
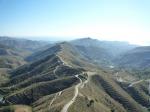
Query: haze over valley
[[41, 76], [74, 56]]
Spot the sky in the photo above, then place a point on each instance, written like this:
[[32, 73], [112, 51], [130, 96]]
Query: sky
[[122, 20]]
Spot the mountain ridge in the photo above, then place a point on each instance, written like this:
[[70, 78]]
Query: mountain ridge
[[60, 73]]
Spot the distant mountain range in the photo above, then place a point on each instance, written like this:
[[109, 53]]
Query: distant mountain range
[[101, 52], [136, 58], [10, 57], [22, 43], [13, 51], [114, 48]]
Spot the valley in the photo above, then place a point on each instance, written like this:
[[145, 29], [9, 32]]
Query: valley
[[82, 75]]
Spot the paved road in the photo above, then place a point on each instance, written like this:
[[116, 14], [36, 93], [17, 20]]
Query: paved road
[[76, 92]]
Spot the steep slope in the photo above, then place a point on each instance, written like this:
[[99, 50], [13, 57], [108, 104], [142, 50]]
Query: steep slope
[[101, 52], [13, 52], [66, 51], [114, 48], [48, 71], [10, 57], [96, 55], [44, 53], [62, 80]]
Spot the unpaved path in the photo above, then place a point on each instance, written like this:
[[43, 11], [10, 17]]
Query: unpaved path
[[76, 92], [135, 83], [55, 97]]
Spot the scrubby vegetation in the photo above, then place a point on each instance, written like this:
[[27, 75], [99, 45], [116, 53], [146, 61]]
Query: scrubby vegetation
[[48, 79]]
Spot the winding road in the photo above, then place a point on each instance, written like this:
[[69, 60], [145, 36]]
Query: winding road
[[55, 70], [76, 92]]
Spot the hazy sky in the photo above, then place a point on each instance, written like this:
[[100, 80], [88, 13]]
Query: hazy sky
[[127, 20]]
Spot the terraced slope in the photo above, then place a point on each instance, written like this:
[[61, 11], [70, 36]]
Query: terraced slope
[[62, 80]]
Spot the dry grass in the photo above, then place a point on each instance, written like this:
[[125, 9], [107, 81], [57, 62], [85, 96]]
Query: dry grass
[[16, 108], [22, 108]]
